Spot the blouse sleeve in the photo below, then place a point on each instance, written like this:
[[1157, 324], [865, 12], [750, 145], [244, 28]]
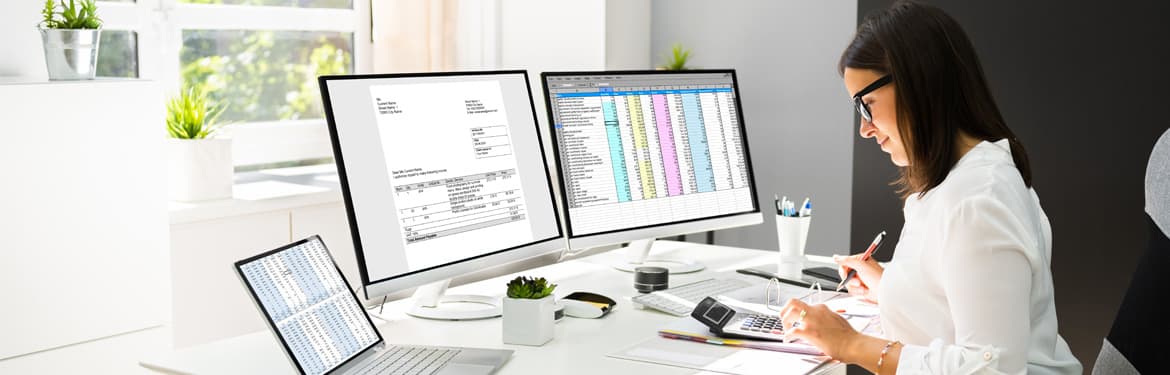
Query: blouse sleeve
[[987, 278]]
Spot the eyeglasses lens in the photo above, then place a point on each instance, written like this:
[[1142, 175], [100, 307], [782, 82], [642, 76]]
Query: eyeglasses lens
[[863, 110]]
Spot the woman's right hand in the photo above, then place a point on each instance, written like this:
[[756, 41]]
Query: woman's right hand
[[868, 278]]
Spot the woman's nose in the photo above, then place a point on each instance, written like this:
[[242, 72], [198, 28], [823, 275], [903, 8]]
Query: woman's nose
[[867, 130]]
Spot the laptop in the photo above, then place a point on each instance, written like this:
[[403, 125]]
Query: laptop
[[323, 328]]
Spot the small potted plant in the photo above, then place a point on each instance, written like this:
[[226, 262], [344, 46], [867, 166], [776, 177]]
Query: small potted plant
[[528, 311], [200, 162], [71, 39], [677, 59]]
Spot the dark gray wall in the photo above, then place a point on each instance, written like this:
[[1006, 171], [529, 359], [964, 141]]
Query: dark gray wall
[[1084, 87]]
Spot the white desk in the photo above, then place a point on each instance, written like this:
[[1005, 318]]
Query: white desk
[[580, 346]]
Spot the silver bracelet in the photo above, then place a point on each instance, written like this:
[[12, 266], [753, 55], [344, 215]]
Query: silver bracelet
[[882, 357]]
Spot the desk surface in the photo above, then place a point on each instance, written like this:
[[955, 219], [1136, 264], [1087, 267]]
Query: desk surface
[[580, 346]]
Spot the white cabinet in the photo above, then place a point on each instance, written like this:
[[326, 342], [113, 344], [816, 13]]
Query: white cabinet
[[210, 301], [83, 212]]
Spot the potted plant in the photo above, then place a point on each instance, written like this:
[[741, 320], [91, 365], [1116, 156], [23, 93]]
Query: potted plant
[[200, 163], [528, 311], [677, 59], [71, 38]]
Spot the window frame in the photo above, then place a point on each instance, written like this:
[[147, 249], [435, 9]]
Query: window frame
[[159, 25]]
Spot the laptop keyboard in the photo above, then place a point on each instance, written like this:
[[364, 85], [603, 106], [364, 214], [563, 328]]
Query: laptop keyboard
[[409, 360]]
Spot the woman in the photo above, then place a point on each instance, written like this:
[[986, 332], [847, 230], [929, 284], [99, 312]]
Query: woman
[[970, 288]]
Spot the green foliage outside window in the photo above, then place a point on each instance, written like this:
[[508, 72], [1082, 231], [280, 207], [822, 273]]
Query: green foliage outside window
[[264, 75], [118, 55]]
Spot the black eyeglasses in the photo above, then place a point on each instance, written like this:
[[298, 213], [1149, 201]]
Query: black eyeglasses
[[863, 108]]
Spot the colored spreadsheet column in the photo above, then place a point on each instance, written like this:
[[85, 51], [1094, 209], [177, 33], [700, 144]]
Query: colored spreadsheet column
[[306, 277], [339, 331], [645, 169], [666, 142], [615, 150], [700, 155]]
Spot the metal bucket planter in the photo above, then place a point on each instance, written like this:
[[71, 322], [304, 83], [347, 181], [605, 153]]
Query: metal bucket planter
[[71, 54]]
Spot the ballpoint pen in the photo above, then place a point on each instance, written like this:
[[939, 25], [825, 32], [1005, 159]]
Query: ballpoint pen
[[877, 241]]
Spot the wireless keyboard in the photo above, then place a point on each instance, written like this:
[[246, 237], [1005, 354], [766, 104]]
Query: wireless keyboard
[[681, 300]]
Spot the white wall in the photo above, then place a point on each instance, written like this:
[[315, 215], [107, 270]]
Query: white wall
[[798, 117], [23, 55], [572, 35], [627, 34]]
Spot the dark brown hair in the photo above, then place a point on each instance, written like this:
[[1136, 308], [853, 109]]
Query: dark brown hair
[[940, 89]]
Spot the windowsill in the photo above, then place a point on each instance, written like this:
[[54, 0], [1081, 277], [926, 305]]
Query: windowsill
[[266, 191], [22, 80]]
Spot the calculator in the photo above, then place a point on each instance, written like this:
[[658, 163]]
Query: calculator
[[725, 321]]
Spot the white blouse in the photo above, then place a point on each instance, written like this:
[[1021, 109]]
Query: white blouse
[[969, 290]]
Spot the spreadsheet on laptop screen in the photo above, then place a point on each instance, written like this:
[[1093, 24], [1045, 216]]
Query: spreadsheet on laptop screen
[[306, 299], [638, 150]]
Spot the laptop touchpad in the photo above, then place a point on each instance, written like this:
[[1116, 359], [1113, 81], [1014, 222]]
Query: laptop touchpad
[[453, 368]]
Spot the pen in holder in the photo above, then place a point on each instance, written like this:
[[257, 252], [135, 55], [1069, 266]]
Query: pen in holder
[[792, 232]]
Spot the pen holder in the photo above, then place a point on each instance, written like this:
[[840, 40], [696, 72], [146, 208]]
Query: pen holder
[[792, 231]]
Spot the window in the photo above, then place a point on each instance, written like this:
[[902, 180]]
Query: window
[[118, 54], [264, 75], [259, 57]]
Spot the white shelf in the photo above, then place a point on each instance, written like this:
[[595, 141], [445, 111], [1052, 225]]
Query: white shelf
[[28, 81]]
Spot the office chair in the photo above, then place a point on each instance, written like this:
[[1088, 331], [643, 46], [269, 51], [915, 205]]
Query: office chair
[[1137, 343]]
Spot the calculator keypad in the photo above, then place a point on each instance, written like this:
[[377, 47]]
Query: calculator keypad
[[762, 324]]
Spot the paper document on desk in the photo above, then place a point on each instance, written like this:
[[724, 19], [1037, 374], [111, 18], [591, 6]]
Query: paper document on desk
[[740, 357], [853, 307], [693, 330]]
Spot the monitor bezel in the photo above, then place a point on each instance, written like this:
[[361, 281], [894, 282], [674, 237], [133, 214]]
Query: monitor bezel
[[422, 276], [272, 324], [729, 220]]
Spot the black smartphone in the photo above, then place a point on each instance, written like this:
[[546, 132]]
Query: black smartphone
[[826, 273]]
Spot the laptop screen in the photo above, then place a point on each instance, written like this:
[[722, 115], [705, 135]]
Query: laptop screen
[[308, 304]]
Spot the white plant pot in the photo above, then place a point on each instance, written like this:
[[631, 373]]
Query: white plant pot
[[528, 321], [200, 169]]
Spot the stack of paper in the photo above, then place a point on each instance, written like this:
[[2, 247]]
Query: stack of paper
[[687, 343]]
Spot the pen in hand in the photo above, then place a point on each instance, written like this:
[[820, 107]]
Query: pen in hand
[[877, 241]]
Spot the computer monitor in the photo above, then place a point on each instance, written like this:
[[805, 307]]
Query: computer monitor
[[649, 154], [442, 175]]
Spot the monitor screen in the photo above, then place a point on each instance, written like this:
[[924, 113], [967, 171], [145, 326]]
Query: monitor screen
[[438, 169], [643, 149]]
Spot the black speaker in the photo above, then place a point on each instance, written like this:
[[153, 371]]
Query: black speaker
[[648, 279]]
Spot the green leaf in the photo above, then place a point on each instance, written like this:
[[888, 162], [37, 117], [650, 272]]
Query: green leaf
[[678, 58], [191, 115], [529, 288], [71, 16], [47, 14]]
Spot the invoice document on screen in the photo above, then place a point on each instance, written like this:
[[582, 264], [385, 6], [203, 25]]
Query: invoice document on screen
[[452, 169]]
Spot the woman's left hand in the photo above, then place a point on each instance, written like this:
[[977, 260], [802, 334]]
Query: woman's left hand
[[825, 329]]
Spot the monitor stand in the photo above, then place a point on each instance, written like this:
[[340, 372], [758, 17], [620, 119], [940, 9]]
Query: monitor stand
[[430, 301], [637, 255]]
